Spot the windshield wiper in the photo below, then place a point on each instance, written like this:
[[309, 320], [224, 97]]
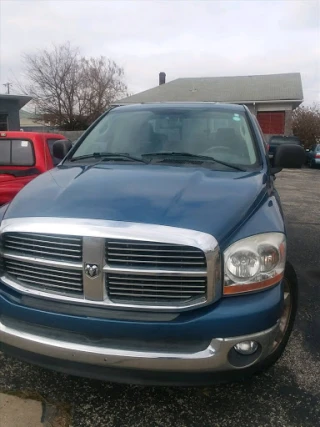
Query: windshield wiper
[[108, 156], [196, 157]]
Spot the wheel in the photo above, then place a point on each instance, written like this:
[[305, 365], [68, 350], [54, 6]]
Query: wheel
[[290, 306]]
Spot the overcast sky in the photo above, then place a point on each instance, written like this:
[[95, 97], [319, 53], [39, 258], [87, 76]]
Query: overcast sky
[[183, 38]]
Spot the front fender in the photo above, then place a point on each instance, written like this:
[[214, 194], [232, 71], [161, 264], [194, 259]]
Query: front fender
[[268, 218]]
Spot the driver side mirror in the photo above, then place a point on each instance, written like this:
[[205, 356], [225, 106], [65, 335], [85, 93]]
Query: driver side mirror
[[288, 156], [61, 148]]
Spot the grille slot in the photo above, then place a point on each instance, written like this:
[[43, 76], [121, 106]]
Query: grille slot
[[53, 279], [133, 288], [154, 255], [53, 247]]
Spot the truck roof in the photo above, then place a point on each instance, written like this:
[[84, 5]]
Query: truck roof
[[168, 105], [23, 134]]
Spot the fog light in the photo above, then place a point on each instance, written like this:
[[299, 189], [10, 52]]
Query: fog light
[[246, 347]]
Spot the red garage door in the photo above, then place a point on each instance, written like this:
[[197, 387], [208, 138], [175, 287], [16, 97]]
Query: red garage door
[[272, 122]]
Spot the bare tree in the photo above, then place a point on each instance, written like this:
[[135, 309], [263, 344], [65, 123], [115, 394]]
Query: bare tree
[[69, 90], [102, 83], [306, 124]]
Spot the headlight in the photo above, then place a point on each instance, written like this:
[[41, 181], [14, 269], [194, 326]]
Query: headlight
[[254, 263]]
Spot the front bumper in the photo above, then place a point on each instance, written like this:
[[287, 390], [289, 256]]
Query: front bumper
[[218, 357], [193, 348]]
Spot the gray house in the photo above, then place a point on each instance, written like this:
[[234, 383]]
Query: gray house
[[10, 106], [272, 97], [30, 122]]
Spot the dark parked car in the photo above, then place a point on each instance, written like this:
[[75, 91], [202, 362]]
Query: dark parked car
[[313, 156], [155, 252], [277, 140]]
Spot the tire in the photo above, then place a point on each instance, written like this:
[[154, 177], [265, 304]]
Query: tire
[[291, 283]]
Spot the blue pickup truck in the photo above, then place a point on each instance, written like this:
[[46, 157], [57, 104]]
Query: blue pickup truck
[[155, 252]]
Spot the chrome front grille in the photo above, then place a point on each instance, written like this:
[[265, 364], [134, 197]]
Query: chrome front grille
[[51, 279], [154, 290], [48, 246], [137, 254], [109, 263]]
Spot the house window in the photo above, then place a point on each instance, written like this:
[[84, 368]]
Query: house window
[[3, 122], [272, 122]]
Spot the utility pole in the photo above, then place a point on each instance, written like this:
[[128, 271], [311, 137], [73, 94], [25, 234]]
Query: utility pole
[[7, 85]]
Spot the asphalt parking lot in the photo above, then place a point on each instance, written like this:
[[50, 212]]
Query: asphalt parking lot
[[287, 395]]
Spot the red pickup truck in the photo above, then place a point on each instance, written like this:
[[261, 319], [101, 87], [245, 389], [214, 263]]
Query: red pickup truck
[[23, 156]]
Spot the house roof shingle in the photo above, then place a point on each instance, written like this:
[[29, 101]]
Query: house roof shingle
[[239, 89]]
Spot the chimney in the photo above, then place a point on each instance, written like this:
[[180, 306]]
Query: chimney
[[162, 78]]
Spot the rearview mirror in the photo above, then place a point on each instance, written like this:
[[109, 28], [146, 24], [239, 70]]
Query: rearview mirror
[[289, 156], [61, 148]]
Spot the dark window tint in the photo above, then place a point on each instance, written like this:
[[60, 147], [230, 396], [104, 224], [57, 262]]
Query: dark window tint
[[284, 140], [3, 122], [16, 152], [50, 142], [5, 152]]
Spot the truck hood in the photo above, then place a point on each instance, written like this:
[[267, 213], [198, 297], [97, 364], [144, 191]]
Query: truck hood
[[214, 202]]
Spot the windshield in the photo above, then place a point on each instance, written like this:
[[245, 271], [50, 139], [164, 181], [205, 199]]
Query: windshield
[[220, 134]]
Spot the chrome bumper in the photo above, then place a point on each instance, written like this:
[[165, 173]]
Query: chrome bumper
[[213, 358]]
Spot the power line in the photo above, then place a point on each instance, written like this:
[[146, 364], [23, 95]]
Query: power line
[[7, 85]]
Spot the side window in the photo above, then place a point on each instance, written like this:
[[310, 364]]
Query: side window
[[16, 152], [50, 142]]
